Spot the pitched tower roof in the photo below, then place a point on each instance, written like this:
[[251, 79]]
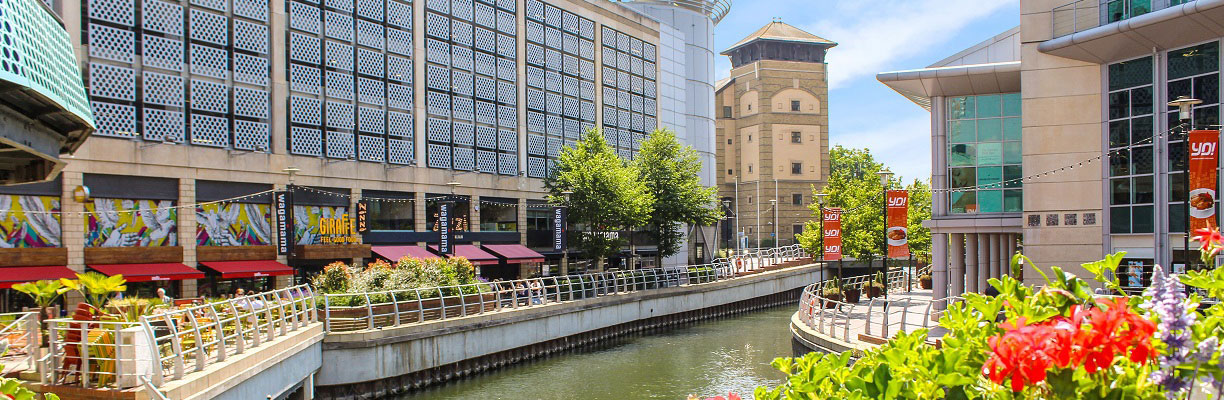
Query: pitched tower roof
[[782, 32]]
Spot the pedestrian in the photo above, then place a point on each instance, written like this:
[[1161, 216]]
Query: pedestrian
[[536, 292], [161, 295]]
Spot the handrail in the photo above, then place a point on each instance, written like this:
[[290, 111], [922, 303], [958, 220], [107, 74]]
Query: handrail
[[23, 335], [815, 309]]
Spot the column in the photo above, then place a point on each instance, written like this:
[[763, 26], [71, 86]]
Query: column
[[957, 255], [354, 197], [474, 214], [1010, 241], [971, 263], [522, 220], [72, 229], [418, 208], [939, 267], [187, 235], [994, 255], [983, 256]]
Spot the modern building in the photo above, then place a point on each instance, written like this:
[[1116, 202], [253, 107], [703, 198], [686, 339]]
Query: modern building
[[388, 105], [1055, 134], [773, 133]]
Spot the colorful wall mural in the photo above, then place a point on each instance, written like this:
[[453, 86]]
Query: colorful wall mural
[[234, 224], [23, 222], [148, 223], [307, 222]]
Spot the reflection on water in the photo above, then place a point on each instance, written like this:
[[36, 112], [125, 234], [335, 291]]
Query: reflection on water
[[709, 358]]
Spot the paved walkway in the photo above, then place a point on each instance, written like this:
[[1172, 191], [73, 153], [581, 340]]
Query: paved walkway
[[868, 322]]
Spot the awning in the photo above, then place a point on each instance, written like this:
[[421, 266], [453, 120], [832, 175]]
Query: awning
[[472, 253], [515, 253], [248, 269], [10, 276], [150, 272], [394, 253]]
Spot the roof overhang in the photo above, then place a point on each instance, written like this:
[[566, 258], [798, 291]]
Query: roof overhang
[[919, 85], [1163, 29]]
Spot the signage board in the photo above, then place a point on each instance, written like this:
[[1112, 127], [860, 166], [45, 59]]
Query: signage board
[[362, 215], [282, 203], [898, 222], [559, 214], [831, 226], [444, 228], [1204, 159]]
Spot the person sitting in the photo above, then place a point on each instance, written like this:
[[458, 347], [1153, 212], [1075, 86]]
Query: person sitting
[[520, 291], [537, 292], [161, 295]]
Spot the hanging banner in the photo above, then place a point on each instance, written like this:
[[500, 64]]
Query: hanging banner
[[832, 233], [898, 219], [558, 228], [362, 214], [1204, 156], [283, 204], [444, 227]]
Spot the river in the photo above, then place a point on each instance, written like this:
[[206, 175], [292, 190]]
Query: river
[[707, 358]]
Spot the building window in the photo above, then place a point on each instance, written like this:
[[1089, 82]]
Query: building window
[[539, 224], [1131, 161], [498, 214], [1117, 10], [798, 229], [796, 137], [794, 105], [460, 212], [749, 138], [1193, 72], [728, 141], [730, 172], [796, 168], [750, 168], [749, 199], [391, 215], [797, 199], [726, 111], [984, 154]]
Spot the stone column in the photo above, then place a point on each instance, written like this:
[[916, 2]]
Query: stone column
[[354, 197], [187, 235], [939, 268], [522, 220], [957, 255], [994, 255], [474, 213], [983, 256], [1010, 242], [972, 266], [72, 229], [418, 207]]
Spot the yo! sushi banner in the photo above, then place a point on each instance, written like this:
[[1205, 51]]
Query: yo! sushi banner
[[898, 220], [1204, 156], [832, 233], [29, 221], [233, 224], [128, 223]]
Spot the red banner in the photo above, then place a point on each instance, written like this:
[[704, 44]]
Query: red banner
[[832, 233], [1204, 156], [898, 220]]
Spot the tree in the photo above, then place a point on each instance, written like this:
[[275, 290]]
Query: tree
[[671, 173], [919, 210], [608, 195]]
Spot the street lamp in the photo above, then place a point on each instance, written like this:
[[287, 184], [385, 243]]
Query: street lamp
[[565, 250], [1184, 106], [885, 179], [774, 205], [726, 203]]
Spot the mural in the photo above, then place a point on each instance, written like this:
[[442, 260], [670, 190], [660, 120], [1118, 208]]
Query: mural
[[35, 229], [151, 223], [306, 222], [234, 224]]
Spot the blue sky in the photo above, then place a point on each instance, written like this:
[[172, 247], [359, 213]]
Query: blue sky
[[876, 36]]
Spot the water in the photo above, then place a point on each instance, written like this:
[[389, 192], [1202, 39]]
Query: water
[[709, 358]]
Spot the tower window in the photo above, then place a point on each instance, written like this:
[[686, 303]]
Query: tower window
[[796, 137], [797, 199], [750, 168], [728, 141], [726, 111], [794, 105], [796, 168], [730, 172]]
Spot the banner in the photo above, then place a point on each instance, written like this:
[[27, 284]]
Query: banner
[[832, 233], [282, 202], [444, 227], [362, 214], [898, 220], [558, 228], [1204, 153]]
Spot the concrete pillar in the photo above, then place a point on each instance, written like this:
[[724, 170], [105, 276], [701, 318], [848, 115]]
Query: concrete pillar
[[983, 256], [419, 210], [522, 220], [957, 255], [971, 263], [474, 213], [72, 230], [939, 267], [994, 255], [1010, 240], [354, 197], [187, 235]]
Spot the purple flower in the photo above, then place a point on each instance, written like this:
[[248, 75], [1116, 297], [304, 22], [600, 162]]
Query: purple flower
[[1175, 313]]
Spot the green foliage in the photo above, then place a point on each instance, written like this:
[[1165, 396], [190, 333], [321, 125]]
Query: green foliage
[[10, 388], [42, 292], [672, 174], [918, 236], [407, 274], [608, 195], [95, 287]]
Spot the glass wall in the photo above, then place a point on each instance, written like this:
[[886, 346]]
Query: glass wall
[[498, 214], [984, 154], [461, 212], [1192, 72], [1131, 149], [539, 224]]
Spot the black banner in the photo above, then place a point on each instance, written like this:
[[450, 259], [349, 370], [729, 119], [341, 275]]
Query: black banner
[[362, 210], [444, 227], [559, 228], [283, 206]]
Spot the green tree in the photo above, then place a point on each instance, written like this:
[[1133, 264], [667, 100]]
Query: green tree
[[919, 210], [608, 195], [671, 173]]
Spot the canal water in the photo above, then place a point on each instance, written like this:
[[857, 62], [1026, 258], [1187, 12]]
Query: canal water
[[707, 358]]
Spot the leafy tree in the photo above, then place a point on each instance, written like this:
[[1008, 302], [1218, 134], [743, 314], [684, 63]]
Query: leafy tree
[[919, 210], [671, 172], [608, 195]]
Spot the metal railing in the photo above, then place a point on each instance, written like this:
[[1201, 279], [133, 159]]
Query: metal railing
[[21, 331], [170, 343], [344, 312], [833, 317]]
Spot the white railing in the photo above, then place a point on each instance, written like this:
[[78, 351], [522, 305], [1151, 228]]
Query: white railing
[[344, 312], [835, 317], [168, 344], [21, 331]]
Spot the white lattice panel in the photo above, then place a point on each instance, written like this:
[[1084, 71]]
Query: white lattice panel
[[649, 106], [399, 69], [588, 111], [209, 61], [506, 23], [371, 91], [635, 103], [437, 130], [209, 96], [461, 58], [399, 96], [623, 99], [340, 145], [639, 123], [163, 89], [535, 10], [486, 161], [609, 115], [506, 93], [535, 77], [305, 79], [649, 88], [507, 140], [553, 81], [111, 44], [586, 28], [485, 64], [114, 119], [370, 120], [304, 48], [209, 28], [610, 135], [622, 41], [339, 26], [571, 108], [486, 88], [370, 9], [437, 52], [609, 60], [437, 78], [486, 138], [650, 123], [535, 99], [463, 108], [399, 42], [342, 5], [507, 116], [399, 151], [649, 72], [586, 50], [648, 52], [370, 62], [484, 40], [625, 119], [461, 82], [339, 115], [399, 14], [535, 145], [253, 9], [536, 167], [608, 37], [399, 124], [569, 43], [586, 90], [437, 26], [535, 122], [569, 22], [624, 61], [463, 133], [555, 126], [535, 32], [303, 17], [208, 130], [111, 81], [163, 125], [485, 16], [117, 11], [461, 33], [250, 135], [437, 103], [437, 156], [462, 9], [305, 110], [157, 16], [609, 98], [465, 159], [251, 37], [552, 15], [486, 113], [371, 148], [339, 55], [507, 69], [552, 37], [507, 164], [508, 5], [442, 6], [339, 85], [573, 129], [569, 86], [250, 102], [162, 53], [553, 103], [306, 141]]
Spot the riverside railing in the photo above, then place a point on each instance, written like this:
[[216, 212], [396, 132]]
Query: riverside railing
[[20, 330], [168, 344], [835, 317], [342, 312]]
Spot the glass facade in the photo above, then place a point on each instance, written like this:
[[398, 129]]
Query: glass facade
[[984, 154], [1192, 72], [1131, 157], [498, 214]]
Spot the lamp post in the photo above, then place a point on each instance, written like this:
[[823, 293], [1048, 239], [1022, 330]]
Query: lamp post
[[1184, 106], [885, 179], [565, 250], [774, 205], [727, 209]]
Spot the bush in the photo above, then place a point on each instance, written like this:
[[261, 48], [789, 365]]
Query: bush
[[406, 274]]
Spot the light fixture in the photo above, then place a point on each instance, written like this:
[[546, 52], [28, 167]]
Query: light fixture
[[453, 185], [1183, 104], [885, 177], [291, 170]]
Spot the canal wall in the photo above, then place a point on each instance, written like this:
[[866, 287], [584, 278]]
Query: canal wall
[[377, 363]]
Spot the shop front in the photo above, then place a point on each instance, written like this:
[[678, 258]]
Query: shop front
[[131, 229], [234, 239], [323, 231], [31, 246]]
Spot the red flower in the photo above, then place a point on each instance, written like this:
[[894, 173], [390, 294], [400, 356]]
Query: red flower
[[1023, 353], [1209, 239]]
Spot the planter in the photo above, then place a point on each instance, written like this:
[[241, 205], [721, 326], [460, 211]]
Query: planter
[[925, 283], [874, 291], [834, 297], [852, 295]]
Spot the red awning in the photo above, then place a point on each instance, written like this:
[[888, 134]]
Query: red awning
[[394, 253], [515, 253], [10, 276], [472, 253], [150, 272], [248, 269]]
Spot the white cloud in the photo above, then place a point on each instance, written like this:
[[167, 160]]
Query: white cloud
[[903, 145], [873, 34]]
